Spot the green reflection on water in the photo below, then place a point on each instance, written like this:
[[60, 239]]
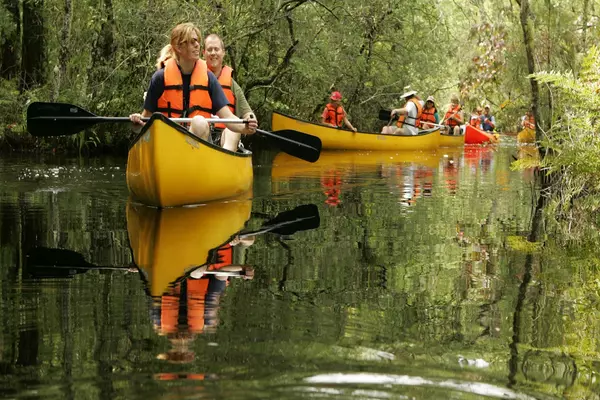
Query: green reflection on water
[[416, 269]]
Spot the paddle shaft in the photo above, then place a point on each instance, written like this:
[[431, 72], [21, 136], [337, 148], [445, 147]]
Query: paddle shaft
[[126, 119], [285, 139]]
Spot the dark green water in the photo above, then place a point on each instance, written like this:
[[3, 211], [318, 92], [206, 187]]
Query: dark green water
[[417, 283]]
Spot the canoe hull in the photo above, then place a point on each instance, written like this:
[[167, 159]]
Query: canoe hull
[[526, 136], [167, 166], [451, 140], [477, 136], [339, 139]]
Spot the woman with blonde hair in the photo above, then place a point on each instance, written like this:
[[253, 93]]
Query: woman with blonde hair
[[184, 87]]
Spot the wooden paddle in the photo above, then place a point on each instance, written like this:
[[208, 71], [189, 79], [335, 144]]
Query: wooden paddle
[[58, 119], [386, 115]]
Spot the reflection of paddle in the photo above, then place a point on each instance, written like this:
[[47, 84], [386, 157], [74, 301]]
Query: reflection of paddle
[[386, 115], [45, 262], [301, 218], [60, 119]]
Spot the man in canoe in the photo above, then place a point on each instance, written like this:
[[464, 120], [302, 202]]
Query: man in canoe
[[488, 122], [214, 52], [454, 116], [184, 87], [334, 114], [429, 115], [408, 115]]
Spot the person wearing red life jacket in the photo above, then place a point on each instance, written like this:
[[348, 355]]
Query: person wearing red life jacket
[[475, 120], [429, 115], [334, 114], [183, 86], [454, 116], [407, 115], [214, 53]]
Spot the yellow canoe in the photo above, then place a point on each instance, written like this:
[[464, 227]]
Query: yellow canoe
[[286, 166], [338, 139], [451, 140], [167, 243], [526, 136], [168, 166]]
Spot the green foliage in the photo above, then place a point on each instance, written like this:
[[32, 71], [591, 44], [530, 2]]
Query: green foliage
[[573, 147]]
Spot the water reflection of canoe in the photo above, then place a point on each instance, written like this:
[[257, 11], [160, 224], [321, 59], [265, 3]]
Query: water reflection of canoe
[[338, 139], [477, 136], [168, 167], [451, 140], [526, 136], [167, 243], [285, 166]]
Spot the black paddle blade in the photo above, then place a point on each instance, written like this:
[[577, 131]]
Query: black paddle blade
[[43, 262], [301, 218], [38, 123], [298, 144], [385, 115]]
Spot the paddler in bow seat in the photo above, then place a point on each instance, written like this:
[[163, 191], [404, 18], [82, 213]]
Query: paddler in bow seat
[[334, 114], [184, 87]]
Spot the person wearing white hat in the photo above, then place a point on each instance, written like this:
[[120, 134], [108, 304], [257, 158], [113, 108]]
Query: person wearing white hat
[[454, 117], [407, 115]]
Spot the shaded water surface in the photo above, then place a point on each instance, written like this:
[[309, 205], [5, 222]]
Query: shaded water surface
[[409, 278]]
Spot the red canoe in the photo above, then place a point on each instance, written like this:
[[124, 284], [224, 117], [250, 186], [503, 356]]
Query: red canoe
[[477, 136]]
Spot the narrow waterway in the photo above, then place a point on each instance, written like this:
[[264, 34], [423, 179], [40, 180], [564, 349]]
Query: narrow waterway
[[410, 277]]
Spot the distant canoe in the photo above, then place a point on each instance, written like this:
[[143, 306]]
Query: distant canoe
[[477, 136], [168, 166], [526, 136], [339, 139]]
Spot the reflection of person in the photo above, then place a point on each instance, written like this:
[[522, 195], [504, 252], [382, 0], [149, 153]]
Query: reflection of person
[[407, 115], [214, 52], [332, 183], [190, 306], [193, 91], [334, 114]]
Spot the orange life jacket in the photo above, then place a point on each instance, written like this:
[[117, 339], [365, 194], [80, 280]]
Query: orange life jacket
[[529, 122], [452, 110], [225, 81], [170, 102], [335, 115], [196, 298], [428, 115], [402, 118], [475, 120]]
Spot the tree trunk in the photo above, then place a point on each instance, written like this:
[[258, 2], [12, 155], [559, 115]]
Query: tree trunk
[[105, 49], [528, 41], [63, 58], [33, 45], [8, 59]]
